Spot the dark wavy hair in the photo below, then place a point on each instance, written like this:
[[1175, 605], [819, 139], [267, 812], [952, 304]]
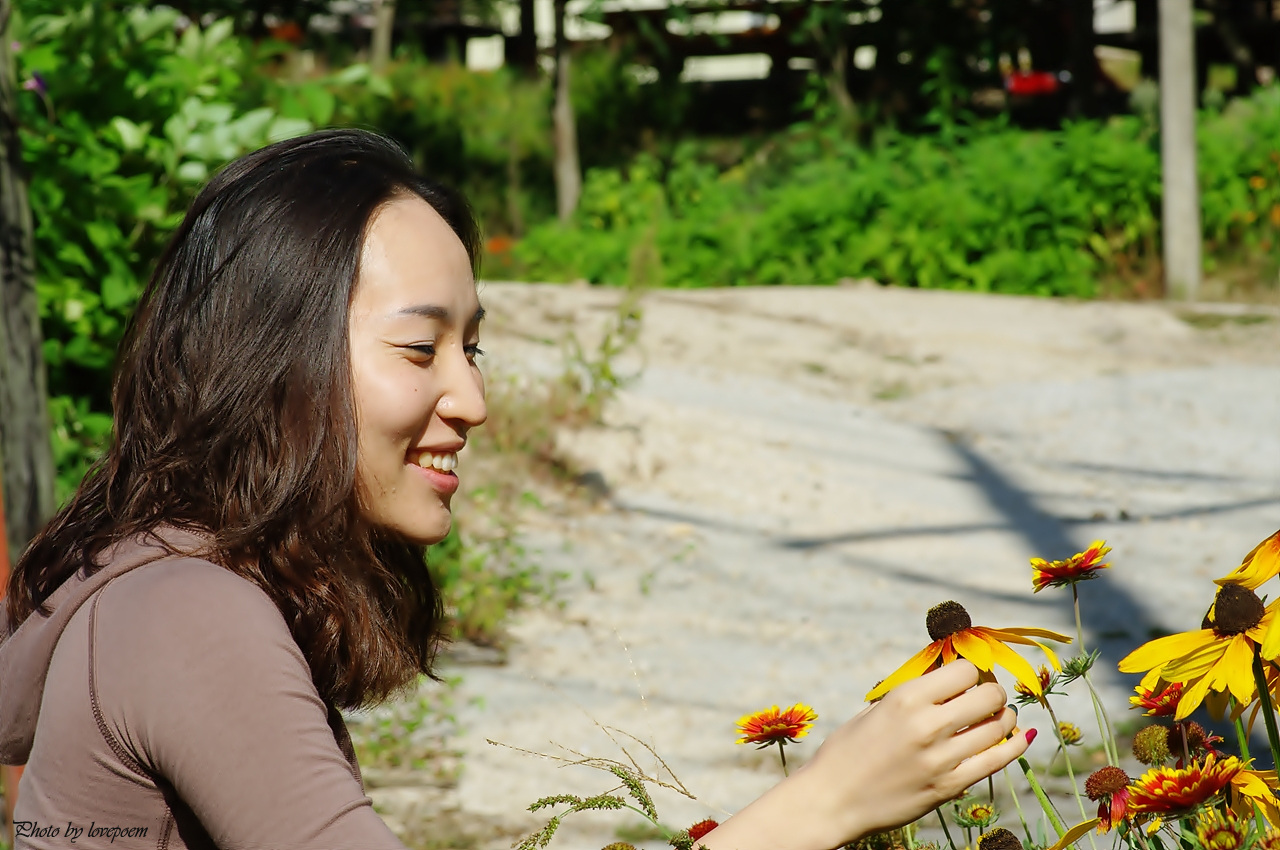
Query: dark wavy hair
[[234, 415]]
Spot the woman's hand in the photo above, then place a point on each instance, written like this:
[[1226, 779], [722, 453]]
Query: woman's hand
[[923, 744]]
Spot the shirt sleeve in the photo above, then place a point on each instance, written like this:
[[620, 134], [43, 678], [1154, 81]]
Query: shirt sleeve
[[200, 680]]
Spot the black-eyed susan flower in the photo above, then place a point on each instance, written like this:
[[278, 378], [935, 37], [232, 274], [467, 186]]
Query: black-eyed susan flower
[[1109, 788], [1216, 658], [1165, 790], [775, 726], [1216, 830], [999, 839], [1081, 566], [954, 636], [1260, 565], [1251, 788]]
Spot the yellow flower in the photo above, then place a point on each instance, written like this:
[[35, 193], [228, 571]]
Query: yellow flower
[[1257, 182], [1069, 733], [1079, 567], [1162, 790], [1216, 658], [772, 726], [1261, 564], [1251, 788], [954, 636]]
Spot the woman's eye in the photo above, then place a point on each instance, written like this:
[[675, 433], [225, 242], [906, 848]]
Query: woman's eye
[[424, 350], [473, 351]]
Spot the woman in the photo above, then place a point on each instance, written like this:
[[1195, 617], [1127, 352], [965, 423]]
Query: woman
[[247, 558]]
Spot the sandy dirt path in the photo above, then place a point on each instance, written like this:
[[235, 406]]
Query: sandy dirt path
[[799, 474]]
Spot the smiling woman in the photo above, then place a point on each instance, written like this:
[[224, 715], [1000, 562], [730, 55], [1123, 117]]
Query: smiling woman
[[248, 557]]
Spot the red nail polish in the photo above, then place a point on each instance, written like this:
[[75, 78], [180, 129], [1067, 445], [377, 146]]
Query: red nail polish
[[1031, 736]]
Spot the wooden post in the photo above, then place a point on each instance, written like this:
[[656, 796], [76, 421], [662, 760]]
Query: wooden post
[[384, 19], [1180, 212], [568, 171]]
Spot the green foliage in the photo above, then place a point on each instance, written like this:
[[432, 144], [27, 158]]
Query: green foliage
[[1070, 212], [133, 118], [413, 732]]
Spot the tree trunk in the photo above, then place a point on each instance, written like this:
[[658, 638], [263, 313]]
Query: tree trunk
[[568, 170], [524, 54], [383, 21], [25, 452], [1181, 203]]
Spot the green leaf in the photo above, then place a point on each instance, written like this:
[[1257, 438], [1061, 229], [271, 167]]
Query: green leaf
[[132, 136], [193, 171], [287, 128]]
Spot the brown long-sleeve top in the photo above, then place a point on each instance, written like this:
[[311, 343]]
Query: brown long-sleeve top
[[164, 704]]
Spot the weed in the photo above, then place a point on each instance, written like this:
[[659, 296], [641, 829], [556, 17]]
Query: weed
[[411, 733]]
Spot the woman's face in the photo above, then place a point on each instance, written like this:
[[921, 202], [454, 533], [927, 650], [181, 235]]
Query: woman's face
[[415, 327]]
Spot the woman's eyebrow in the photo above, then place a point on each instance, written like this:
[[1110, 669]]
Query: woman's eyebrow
[[434, 311]]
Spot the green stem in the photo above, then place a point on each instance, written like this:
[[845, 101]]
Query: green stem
[[1268, 710], [942, 819], [1242, 741], [1071, 773], [666, 833], [1045, 804], [782, 754], [1099, 711], [1017, 805]]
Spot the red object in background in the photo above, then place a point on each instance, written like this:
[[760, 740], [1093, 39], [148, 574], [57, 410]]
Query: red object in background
[[1032, 83], [9, 774], [288, 31]]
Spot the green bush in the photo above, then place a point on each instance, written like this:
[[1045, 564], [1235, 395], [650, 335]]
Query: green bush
[[1069, 212]]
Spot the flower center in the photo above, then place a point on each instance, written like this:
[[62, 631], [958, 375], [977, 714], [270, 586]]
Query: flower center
[[946, 619], [1236, 610], [1104, 782], [999, 839]]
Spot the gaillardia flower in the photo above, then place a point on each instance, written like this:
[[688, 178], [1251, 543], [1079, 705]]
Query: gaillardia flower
[[1165, 790], [1160, 699], [1218, 831], [772, 726], [1216, 658], [954, 636], [1109, 788], [1079, 567]]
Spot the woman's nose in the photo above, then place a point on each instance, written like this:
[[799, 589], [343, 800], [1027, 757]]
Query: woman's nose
[[463, 399]]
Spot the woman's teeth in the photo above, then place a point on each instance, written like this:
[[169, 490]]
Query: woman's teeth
[[446, 462]]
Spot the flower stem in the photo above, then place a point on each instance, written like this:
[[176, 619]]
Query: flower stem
[[1242, 741], [942, 819], [1071, 773], [782, 754], [1268, 709], [1099, 711], [1049, 811], [1017, 804]]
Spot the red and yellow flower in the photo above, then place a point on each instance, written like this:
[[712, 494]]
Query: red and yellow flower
[[1160, 699], [1217, 830], [1079, 567], [954, 636], [775, 726], [1216, 658], [1109, 788], [1162, 790]]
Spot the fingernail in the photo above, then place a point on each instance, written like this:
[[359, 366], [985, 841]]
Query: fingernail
[[1013, 707], [1031, 736]]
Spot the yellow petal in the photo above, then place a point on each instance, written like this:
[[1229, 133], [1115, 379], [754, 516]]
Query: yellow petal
[[973, 647], [1194, 664], [1192, 697], [1234, 672], [1071, 836], [1008, 636], [1271, 639], [1262, 563], [1017, 665], [917, 665], [1040, 633], [1163, 650]]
